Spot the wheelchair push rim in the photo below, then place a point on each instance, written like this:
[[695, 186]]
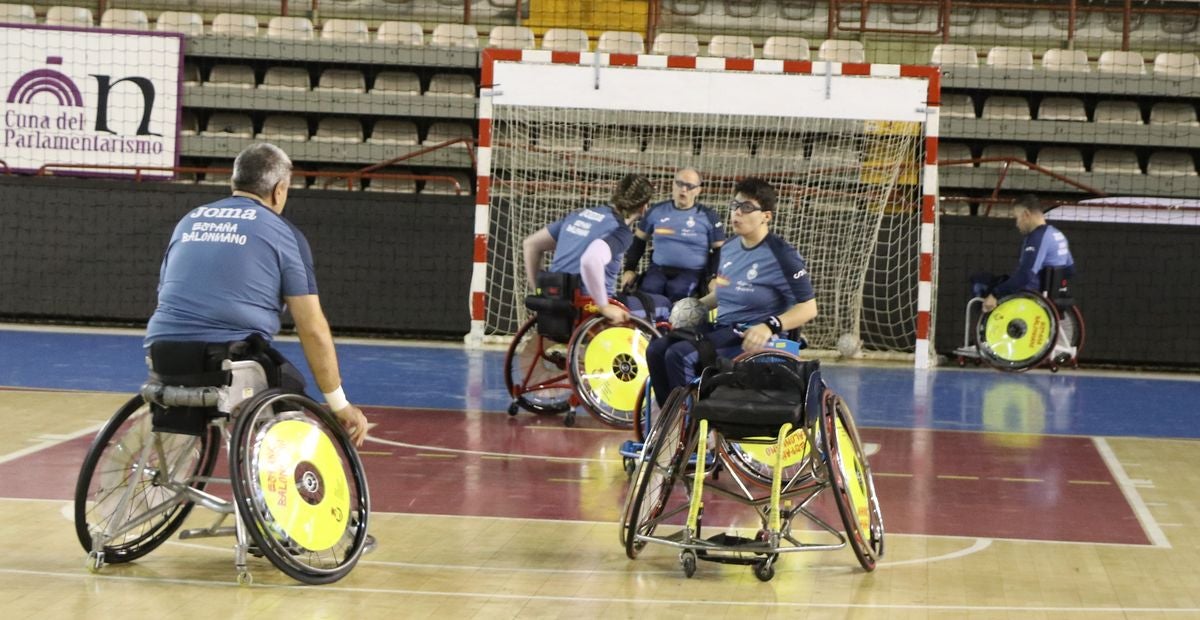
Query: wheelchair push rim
[[852, 483], [608, 367], [535, 372], [1018, 333], [129, 483], [299, 487]]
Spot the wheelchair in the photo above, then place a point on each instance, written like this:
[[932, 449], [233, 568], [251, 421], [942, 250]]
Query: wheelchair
[[1026, 330], [299, 494], [784, 438], [567, 356]]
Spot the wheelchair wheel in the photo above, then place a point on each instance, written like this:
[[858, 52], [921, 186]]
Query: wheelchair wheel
[[608, 367], [131, 474], [660, 465], [1071, 325], [1018, 333], [535, 372], [642, 410], [299, 486], [752, 461], [851, 482]]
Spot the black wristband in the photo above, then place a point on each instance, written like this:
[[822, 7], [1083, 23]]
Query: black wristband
[[774, 324]]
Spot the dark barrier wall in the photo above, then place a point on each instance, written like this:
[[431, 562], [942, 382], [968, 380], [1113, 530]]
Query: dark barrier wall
[[90, 251], [401, 264], [1135, 283]]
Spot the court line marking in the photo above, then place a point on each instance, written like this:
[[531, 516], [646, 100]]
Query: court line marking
[[607, 600], [1153, 531], [485, 453], [49, 441]]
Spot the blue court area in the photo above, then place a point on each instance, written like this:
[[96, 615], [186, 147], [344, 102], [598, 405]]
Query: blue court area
[[450, 377]]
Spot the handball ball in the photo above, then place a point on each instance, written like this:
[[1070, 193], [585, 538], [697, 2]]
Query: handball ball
[[848, 345], [688, 313]]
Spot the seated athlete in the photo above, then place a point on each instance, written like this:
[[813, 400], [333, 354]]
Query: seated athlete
[[1043, 246]]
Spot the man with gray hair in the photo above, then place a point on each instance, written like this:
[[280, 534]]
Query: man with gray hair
[[228, 272]]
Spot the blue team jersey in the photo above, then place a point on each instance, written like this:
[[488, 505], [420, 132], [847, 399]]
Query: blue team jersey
[[682, 237], [1045, 246], [575, 232], [755, 283], [226, 271]]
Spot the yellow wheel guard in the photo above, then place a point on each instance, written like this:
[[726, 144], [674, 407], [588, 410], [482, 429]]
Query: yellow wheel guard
[[615, 366], [303, 484], [1018, 329]]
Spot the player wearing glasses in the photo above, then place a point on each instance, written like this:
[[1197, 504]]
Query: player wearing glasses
[[762, 289], [686, 237]]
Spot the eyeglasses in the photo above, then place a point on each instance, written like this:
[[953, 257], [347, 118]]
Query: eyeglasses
[[684, 185], [744, 206]]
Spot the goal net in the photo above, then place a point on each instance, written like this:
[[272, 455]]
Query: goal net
[[847, 153]]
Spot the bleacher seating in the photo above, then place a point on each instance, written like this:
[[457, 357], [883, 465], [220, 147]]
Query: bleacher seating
[[954, 55], [396, 83], [230, 76], [1061, 159], [1073, 61], [730, 46], [1115, 61], [1171, 164], [786, 48], [17, 14], [1110, 161], [345, 31], [393, 132], [1172, 113], [511, 37], [336, 129], [235, 25], [342, 80], [404, 186], [1006, 107], [616, 140], [621, 42], [229, 124], [443, 131], [841, 50], [78, 17], [451, 85], [189, 125], [191, 74], [459, 185], [284, 127], [951, 151], [1184, 64], [455, 35], [290, 28], [1062, 109], [125, 19], [1006, 57], [958, 105], [400, 33], [1002, 150], [287, 78], [565, 40], [676, 44], [1114, 111], [190, 24]]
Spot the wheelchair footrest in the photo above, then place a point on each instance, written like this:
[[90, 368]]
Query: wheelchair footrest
[[733, 544]]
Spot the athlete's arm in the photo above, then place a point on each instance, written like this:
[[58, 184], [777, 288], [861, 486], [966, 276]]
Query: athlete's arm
[[534, 247], [317, 342]]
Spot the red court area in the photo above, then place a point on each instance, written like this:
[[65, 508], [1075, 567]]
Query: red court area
[[489, 464]]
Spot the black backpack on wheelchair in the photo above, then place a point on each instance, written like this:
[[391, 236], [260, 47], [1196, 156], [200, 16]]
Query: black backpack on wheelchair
[[554, 304]]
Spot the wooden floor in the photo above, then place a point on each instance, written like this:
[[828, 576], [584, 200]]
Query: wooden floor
[[481, 566]]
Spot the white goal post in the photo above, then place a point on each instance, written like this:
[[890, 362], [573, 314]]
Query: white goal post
[[851, 149]]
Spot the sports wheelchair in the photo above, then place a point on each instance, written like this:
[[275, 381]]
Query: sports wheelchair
[[298, 494], [783, 437], [567, 355], [1026, 330]]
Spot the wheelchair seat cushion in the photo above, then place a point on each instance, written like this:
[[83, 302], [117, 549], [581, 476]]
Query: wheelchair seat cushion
[[737, 412]]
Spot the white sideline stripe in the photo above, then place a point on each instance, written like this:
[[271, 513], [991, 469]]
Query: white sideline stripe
[[687, 602], [508, 455], [1149, 524], [49, 441]]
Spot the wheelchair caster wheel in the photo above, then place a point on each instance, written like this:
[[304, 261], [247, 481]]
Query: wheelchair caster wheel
[[95, 561], [765, 570], [244, 578], [629, 465], [569, 421], [962, 362], [687, 559], [1053, 368], [512, 408]]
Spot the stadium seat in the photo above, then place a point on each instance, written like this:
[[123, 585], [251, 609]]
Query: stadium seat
[[567, 138], [345, 31], [461, 183], [290, 28], [229, 124], [191, 74], [954, 207], [958, 105], [342, 80], [565, 40], [1002, 150], [676, 44], [1060, 159], [730, 46], [69, 16], [216, 178], [1170, 164], [670, 142], [230, 76], [125, 19], [780, 147], [451, 85], [724, 145], [455, 35], [184, 178], [17, 14], [393, 132], [190, 24], [1116, 61], [444, 131], [400, 33], [341, 130], [617, 140], [1062, 109], [1170, 113], [189, 125], [1118, 112], [282, 127], [840, 50], [299, 181], [286, 78], [1003, 57], [621, 42], [511, 38], [954, 55], [235, 25], [1183, 64], [1004, 107], [951, 151], [836, 154], [403, 186], [786, 48], [396, 83], [1073, 61], [1115, 162]]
